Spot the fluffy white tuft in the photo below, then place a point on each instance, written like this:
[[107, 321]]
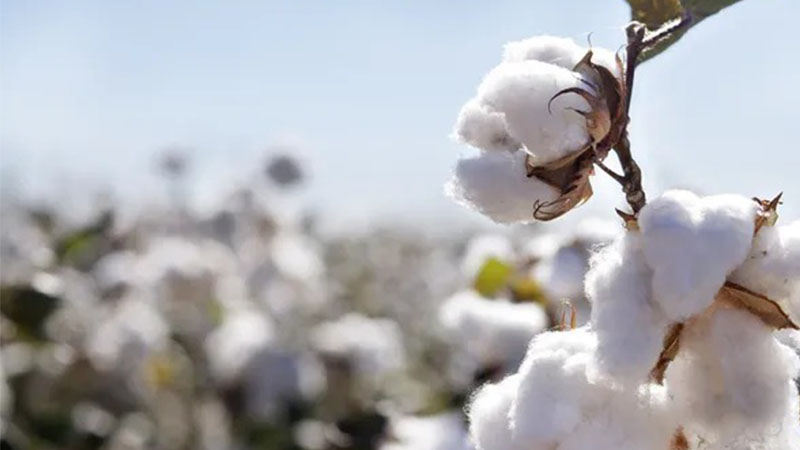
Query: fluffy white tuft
[[492, 331], [773, 267], [733, 383], [629, 326], [488, 412], [481, 127], [496, 185], [692, 244], [521, 91]]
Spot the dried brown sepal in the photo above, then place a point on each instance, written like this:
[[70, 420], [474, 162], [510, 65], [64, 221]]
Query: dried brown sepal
[[768, 213], [573, 184], [631, 221], [672, 342], [606, 121], [679, 440], [759, 305]]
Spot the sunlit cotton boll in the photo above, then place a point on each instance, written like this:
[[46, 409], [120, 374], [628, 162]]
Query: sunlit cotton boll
[[773, 266], [497, 185], [374, 346], [129, 331], [231, 347], [630, 327], [562, 402], [491, 332], [733, 383], [488, 411], [445, 431], [559, 51], [483, 127], [692, 244]]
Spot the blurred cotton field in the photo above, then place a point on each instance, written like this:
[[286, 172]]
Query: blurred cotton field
[[247, 327]]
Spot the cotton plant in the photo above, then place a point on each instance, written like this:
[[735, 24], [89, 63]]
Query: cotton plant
[[692, 305]]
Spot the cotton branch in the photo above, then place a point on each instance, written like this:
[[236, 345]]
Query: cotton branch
[[638, 41]]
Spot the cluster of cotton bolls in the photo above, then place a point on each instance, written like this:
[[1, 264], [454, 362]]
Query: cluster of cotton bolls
[[691, 338], [732, 382]]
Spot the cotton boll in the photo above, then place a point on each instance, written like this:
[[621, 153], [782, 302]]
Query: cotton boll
[[639, 419], [733, 382], [692, 244], [130, 330], [488, 412], [482, 248], [296, 257], [374, 346], [561, 275], [630, 327], [521, 91], [445, 431], [231, 347], [563, 52], [491, 331], [496, 185], [483, 128], [773, 266], [553, 386], [563, 402]]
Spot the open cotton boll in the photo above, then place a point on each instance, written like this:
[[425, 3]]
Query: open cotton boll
[[561, 275], [733, 382], [496, 185], [521, 91], [127, 334], [492, 331], [488, 412], [481, 127], [693, 244], [233, 345], [374, 346], [482, 248], [553, 388], [630, 327], [445, 431], [562, 402], [773, 266], [563, 52]]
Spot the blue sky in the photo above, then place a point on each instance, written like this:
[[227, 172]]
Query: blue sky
[[89, 90]]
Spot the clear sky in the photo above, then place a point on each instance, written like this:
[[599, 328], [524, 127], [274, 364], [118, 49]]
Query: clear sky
[[89, 90]]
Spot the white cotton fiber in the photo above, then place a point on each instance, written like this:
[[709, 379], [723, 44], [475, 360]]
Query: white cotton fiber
[[496, 185], [445, 431], [491, 331], [692, 244], [773, 266], [482, 127], [563, 52], [553, 382], [488, 413], [521, 91], [562, 402], [733, 383], [630, 327], [373, 345]]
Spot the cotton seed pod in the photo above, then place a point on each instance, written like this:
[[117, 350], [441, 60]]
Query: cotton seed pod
[[560, 105]]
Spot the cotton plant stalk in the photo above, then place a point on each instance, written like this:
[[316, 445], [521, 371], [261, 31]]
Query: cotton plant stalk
[[692, 339]]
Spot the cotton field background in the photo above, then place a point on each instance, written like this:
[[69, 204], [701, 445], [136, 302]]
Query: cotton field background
[[242, 227]]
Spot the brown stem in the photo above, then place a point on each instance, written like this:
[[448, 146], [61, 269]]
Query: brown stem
[[632, 184]]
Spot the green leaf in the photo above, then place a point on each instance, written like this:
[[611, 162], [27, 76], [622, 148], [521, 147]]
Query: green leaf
[[492, 277], [655, 13]]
